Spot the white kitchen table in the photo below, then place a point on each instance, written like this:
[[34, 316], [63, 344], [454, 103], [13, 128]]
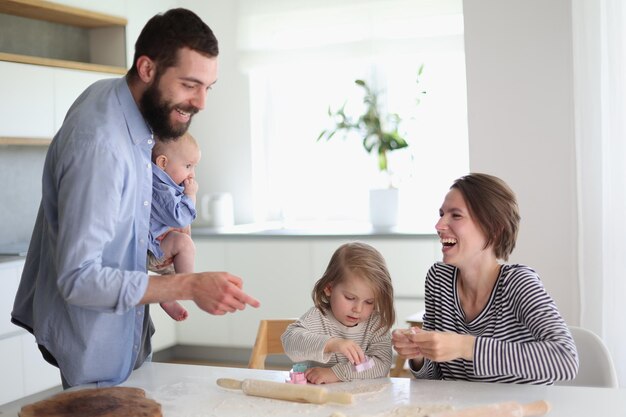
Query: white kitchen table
[[191, 391]]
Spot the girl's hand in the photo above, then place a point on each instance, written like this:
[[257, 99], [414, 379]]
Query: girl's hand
[[347, 348], [442, 346], [321, 376]]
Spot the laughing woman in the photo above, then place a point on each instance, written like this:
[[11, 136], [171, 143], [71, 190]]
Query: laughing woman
[[486, 321]]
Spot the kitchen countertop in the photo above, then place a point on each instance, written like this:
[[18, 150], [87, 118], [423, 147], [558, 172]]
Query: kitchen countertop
[[190, 390], [306, 230], [310, 230], [297, 230], [6, 259]]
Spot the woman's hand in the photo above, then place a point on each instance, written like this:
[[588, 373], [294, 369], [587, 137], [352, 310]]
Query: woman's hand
[[402, 343], [436, 346], [347, 348], [321, 376]]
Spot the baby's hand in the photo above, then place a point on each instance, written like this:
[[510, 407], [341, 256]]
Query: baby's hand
[[348, 348], [191, 187]]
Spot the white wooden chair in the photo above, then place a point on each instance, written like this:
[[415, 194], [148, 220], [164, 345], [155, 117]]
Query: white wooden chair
[[596, 366], [268, 341]]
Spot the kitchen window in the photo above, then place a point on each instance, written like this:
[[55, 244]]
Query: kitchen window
[[302, 57]]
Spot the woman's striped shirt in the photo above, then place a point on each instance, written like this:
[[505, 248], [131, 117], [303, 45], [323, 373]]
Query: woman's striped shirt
[[305, 339], [520, 334]]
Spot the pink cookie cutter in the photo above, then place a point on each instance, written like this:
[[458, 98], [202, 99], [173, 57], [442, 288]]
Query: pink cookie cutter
[[368, 363], [296, 378]]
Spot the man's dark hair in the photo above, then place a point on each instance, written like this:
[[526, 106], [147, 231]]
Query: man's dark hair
[[165, 34]]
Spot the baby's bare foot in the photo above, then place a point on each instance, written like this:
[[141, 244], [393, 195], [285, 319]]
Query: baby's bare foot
[[175, 310]]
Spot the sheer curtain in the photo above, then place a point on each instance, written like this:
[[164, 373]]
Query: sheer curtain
[[600, 69], [303, 56]]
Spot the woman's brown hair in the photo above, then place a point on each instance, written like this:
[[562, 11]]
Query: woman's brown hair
[[492, 204]]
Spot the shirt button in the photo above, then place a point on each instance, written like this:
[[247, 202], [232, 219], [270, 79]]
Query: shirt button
[[145, 203], [149, 141], [148, 166]]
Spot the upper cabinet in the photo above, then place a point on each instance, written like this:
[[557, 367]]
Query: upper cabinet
[[57, 35], [51, 53]]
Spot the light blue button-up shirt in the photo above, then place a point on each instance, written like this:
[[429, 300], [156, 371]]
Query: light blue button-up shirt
[[85, 271]]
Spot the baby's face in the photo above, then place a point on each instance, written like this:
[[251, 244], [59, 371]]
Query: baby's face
[[182, 159]]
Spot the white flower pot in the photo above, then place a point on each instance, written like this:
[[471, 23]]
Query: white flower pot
[[384, 207]]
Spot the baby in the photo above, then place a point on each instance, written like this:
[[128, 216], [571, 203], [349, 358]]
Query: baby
[[174, 189]]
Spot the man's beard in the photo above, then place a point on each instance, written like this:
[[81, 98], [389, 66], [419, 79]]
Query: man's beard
[[157, 113]]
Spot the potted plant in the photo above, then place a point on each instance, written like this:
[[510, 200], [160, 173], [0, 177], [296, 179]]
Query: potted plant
[[379, 133]]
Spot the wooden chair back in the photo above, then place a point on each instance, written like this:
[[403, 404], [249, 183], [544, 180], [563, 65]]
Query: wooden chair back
[[268, 341]]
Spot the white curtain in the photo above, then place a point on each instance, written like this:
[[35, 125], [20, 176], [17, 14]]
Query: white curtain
[[600, 94]]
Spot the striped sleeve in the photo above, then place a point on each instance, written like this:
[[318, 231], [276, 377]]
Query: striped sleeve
[[376, 344], [305, 339], [550, 355]]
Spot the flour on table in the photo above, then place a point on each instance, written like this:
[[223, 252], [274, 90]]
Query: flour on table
[[415, 411], [368, 388], [365, 386]]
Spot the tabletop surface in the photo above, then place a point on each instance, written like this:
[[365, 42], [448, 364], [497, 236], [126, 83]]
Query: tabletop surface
[[191, 391]]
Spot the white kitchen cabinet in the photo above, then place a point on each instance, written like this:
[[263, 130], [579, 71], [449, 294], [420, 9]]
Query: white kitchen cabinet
[[113, 7], [11, 356], [68, 85], [37, 91], [272, 271], [27, 104], [9, 280], [23, 369], [165, 335], [277, 273], [39, 375], [101, 43], [200, 328], [165, 328], [11, 376], [281, 272], [39, 101]]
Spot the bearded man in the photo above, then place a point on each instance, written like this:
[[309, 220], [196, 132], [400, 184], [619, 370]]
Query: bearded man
[[85, 292]]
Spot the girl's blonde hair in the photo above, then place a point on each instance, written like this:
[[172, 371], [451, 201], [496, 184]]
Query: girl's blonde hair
[[367, 263]]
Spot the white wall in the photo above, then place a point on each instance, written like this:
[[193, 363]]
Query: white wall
[[521, 127], [223, 128]]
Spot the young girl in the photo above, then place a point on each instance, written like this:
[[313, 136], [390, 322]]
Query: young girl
[[351, 321]]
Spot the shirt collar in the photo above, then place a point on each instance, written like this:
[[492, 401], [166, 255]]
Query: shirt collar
[[137, 126]]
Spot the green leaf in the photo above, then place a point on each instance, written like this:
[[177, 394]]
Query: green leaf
[[376, 135]]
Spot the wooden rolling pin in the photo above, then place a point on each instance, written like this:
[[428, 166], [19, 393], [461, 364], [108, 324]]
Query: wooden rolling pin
[[287, 392], [507, 409]]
